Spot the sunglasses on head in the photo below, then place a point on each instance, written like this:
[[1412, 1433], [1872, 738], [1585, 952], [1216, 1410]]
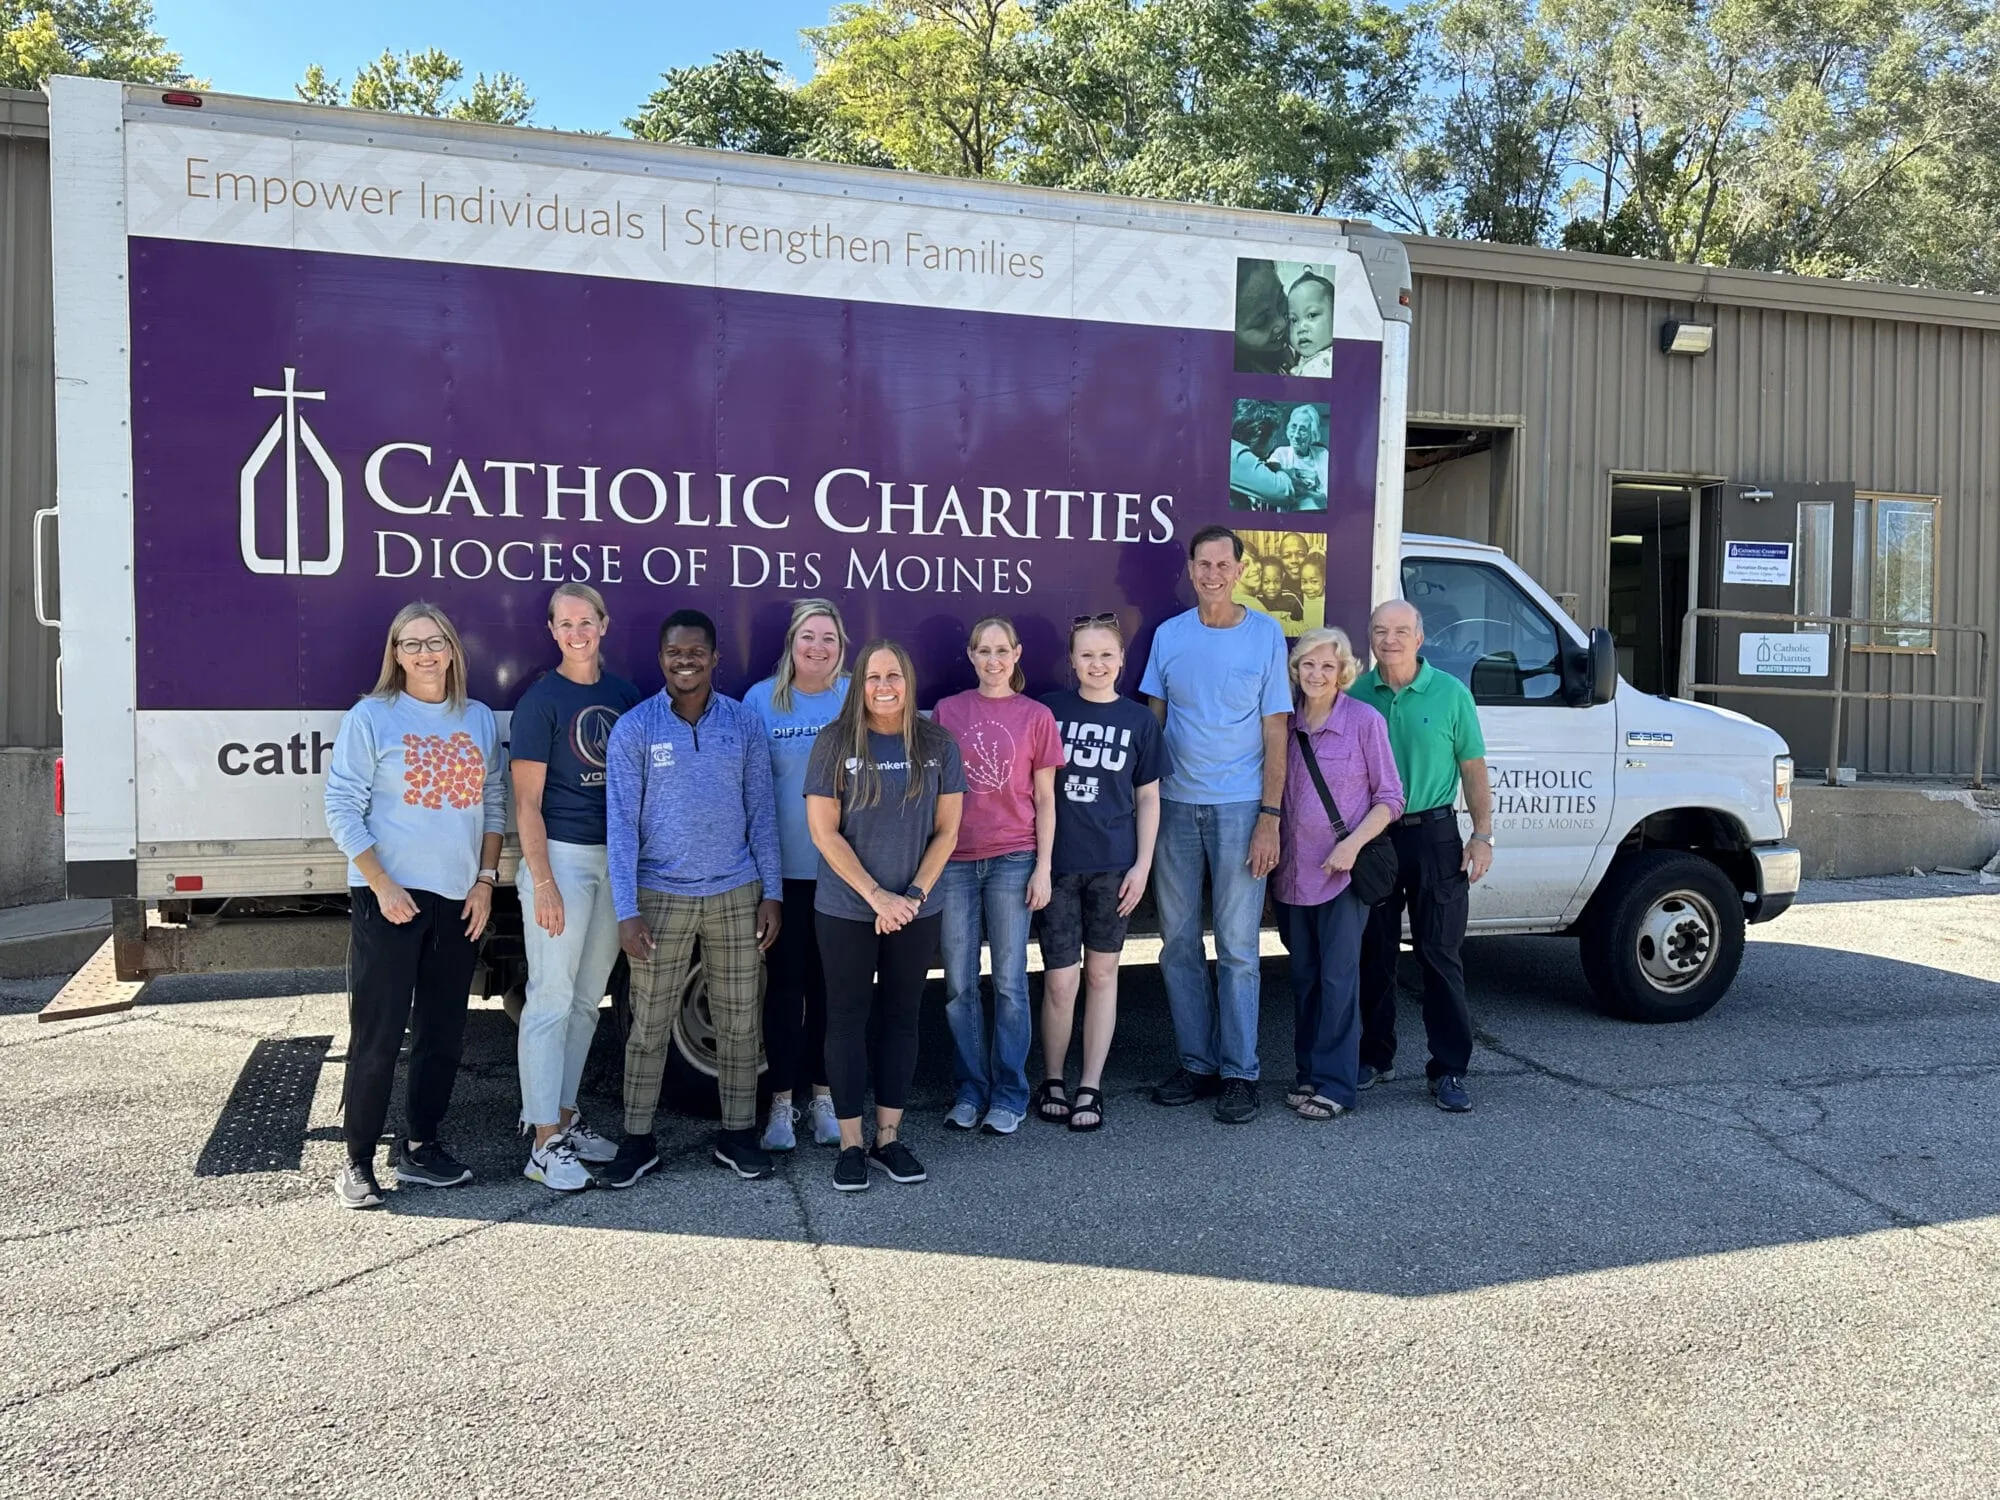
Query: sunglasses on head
[[1079, 622]]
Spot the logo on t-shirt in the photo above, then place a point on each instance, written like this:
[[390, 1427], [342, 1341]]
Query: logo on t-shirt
[[443, 771], [989, 757], [1080, 788], [1093, 747], [663, 754], [590, 734]]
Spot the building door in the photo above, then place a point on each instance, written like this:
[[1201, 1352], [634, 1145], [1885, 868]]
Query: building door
[[1655, 577], [1782, 549]]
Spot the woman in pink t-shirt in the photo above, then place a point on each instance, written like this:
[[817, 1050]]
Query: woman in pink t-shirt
[[998, 875]]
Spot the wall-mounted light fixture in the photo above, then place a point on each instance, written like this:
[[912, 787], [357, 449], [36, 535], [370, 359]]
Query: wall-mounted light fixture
[[1753, 494], [1686, 338]]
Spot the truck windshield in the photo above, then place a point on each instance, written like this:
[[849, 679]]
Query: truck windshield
[[1482, 629]]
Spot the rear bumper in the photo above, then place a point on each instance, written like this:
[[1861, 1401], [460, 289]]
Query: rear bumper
[[1778, 867]]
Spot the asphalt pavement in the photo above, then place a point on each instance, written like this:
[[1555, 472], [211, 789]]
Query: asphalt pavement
[[1754, 1255]]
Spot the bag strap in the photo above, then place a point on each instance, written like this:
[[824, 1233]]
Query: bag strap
[[1319, 780]]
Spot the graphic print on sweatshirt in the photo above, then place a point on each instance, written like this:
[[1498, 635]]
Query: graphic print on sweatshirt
[[443, 771], [1091, 749]]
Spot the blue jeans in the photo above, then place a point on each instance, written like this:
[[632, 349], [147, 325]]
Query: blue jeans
[[566, 978], [1325, 944], [1216, 1029], [988, 899]]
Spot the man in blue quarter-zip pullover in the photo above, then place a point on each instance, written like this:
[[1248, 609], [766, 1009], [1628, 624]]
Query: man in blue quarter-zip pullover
[[692, 834]]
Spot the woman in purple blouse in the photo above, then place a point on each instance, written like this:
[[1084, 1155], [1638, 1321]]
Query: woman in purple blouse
[[1320, 919]]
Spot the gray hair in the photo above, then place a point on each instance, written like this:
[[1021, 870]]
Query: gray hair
[[1415, 613]]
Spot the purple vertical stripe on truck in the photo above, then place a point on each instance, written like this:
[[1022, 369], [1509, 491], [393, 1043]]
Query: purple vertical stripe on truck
[[460, 408]]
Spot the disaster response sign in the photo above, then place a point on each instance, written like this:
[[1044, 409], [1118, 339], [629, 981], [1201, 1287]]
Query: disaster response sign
[[366, 373]]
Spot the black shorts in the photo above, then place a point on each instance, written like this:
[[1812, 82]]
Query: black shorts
[[1082, 913]]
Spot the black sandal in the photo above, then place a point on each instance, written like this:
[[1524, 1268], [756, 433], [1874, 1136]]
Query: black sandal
[[1048, 1099], [1088, 1101]]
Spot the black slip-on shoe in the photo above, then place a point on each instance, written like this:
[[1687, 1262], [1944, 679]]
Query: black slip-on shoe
[[1186, 1088], [738, 1150], [637, 1155]]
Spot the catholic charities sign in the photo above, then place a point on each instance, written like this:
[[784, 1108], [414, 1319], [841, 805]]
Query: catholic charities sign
[[1772, 655]]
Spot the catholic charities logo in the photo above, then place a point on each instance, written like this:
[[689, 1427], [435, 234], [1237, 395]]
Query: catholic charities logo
[[292, 430]]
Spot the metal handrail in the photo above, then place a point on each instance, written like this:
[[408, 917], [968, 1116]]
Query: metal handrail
[[1840, 631]]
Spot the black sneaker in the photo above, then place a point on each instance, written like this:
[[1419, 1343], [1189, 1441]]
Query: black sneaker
[[637, 1155], [1449, 1091], [738, 1150], [1368, 1077], [898, 1160], [1185, 1088], [429, 1165], [354, 1186], [850, 1171], [1238, 1104]]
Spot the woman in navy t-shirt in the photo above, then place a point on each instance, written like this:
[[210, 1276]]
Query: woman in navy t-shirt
[[560, 729]]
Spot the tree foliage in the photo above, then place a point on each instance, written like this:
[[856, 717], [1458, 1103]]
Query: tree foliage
[[423, 83], [84, 38], [743, 102]]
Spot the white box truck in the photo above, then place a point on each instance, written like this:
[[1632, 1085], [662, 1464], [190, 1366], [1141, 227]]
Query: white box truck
[[313, 363]]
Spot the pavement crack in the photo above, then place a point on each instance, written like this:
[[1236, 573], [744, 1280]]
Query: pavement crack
[[70, 1029], [265, 1310], [871, 1390]]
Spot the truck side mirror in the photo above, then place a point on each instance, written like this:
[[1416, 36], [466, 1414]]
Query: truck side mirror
[[1603, 666]]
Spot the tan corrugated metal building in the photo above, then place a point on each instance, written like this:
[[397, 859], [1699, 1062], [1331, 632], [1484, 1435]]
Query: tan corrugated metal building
[[1858, 423]]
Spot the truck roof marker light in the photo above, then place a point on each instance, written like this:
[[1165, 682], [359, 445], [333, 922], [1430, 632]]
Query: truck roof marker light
[[187, 882], [181, 98]]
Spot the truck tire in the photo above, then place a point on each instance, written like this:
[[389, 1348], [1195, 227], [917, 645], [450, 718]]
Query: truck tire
[[1664, 938]]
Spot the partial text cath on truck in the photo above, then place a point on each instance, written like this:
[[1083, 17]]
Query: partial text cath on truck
[[316, 362]]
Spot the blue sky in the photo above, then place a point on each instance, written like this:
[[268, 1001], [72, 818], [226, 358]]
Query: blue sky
[[589, 64]]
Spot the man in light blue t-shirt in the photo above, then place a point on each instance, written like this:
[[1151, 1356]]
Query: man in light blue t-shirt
[[1217, 678]]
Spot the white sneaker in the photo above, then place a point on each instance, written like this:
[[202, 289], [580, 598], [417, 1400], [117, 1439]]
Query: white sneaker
[[1000, 1122], [587, 1143], [825, 1124], [555, 1166], [778, 1134]]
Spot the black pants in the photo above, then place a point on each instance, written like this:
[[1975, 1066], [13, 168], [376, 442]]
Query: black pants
[[874, 982], [795, 998], [417, 974], [1432, 884]]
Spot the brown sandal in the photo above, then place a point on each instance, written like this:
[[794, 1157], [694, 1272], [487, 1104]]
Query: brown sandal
[[1318, 1107]]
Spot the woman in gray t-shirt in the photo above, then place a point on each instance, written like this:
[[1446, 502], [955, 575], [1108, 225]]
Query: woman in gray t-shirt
[[884, 790]]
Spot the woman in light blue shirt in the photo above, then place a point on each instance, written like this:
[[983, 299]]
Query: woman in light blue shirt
[[800, 698], [416, 799]]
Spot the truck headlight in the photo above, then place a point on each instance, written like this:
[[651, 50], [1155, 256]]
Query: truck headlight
[[1781, 788]]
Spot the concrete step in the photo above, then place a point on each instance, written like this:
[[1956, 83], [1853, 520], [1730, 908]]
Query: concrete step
[[1886, 828], [56, 937]]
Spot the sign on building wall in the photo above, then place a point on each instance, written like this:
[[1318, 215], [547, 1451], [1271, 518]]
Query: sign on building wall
[[1761, 654], [1757, 562]]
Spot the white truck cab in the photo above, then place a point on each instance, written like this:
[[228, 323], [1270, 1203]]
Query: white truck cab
[[1653, 829]]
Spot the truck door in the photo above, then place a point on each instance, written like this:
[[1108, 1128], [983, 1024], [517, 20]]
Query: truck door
[[1550, 758]]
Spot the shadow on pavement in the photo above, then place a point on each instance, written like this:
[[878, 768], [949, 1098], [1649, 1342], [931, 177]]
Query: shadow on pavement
[[1594, 1144]]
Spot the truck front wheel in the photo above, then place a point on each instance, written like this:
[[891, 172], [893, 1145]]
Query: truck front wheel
[[1664, 938]]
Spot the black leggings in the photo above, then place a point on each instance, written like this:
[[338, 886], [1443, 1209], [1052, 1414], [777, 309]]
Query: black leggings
[[871, 1024], [795, 998], [416, 974]]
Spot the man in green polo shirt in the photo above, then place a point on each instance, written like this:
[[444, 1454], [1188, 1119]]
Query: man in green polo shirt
[[1434, 735]]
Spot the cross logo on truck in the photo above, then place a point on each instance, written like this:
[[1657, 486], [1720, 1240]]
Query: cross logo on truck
[[293, 429]]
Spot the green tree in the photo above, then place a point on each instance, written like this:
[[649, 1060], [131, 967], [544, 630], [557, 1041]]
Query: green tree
[[932, 82], [743, 102], [423, 83], [1280, 104], [85, 38]]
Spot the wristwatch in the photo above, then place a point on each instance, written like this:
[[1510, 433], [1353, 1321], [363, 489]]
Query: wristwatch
[[916, 893], [1483, 838], [491, 877]]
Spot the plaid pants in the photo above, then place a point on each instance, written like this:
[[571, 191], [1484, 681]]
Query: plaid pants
[[734, 970]]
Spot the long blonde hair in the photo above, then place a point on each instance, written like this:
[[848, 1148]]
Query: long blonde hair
[[1312, 640], [784, 674], [390, 682], [1019, 681], [846, 738]]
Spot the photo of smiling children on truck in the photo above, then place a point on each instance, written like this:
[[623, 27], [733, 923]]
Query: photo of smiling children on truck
[[1284, 576], [1284, 317]]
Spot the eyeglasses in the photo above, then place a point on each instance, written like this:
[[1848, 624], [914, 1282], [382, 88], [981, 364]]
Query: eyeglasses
[[1081, 622], [435, 646]]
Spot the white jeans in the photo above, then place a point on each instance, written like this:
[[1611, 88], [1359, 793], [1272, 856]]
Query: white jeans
[[566, 978]]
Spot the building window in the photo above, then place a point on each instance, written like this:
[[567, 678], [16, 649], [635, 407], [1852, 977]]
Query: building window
[[1895, 568], [1812, 580]]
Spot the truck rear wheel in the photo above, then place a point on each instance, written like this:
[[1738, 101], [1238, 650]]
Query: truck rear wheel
[[687, 1086], [1664, 938]]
